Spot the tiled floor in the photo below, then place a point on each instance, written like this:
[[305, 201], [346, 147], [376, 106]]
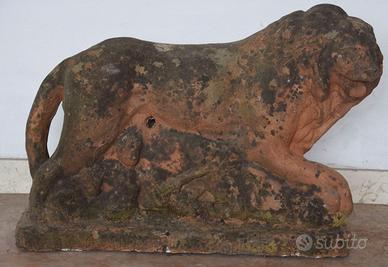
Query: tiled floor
[[367, 221]]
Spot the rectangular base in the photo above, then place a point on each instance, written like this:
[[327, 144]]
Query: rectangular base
[[180, 236]]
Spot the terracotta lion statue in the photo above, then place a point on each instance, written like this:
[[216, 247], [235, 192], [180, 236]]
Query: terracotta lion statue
[[272, 95]]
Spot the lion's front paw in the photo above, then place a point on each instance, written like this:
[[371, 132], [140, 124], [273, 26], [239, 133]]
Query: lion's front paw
[[335, 193]]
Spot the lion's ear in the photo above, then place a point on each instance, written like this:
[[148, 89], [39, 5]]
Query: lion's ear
[[322, 68]]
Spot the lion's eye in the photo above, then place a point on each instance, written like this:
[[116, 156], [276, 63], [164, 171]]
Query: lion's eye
[[350, 62], [346, 56]]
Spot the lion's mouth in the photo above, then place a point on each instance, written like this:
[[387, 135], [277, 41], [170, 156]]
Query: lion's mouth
[[359, 88], [367, 82]]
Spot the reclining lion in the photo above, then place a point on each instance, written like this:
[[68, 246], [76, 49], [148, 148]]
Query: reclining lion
[[273, 95]]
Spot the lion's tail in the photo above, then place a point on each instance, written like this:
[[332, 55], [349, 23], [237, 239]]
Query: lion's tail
[[47, 100]]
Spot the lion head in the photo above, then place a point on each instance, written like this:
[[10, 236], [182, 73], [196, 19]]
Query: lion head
[[349, 58], [332, 57], [339, 51]]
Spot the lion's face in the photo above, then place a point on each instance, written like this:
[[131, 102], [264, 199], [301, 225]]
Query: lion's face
[[356, 59], [349, 58]]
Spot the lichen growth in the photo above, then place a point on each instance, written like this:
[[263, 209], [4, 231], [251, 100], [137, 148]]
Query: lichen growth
[[339, 220], [271, 248]]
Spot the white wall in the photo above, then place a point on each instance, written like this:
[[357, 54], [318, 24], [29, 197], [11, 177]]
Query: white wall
[[36, 35]]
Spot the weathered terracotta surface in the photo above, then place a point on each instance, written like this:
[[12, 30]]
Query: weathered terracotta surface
[[198, 148]]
